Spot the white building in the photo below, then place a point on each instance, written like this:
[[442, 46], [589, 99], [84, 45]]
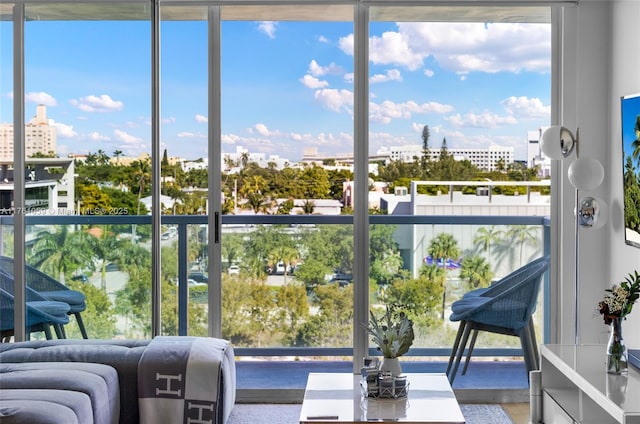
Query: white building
[[535, 157], [485, 159], [263, 161], [39, 136], [49, 187]]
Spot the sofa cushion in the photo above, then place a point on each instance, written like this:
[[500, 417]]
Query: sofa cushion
[[78, 402], [35, 412], [123, 355], [98, 381]]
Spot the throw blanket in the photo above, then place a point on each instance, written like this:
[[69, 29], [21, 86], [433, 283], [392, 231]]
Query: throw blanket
[[179, 381]]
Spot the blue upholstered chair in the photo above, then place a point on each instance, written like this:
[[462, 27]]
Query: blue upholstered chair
[[41, 313], [506, 307], [51, 289]]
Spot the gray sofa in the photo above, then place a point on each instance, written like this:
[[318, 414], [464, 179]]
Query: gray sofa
[[167, 379]]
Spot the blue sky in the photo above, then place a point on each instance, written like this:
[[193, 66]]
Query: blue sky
[[285, 85], [630, 111]]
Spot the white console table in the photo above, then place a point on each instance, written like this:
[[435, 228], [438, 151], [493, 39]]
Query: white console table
[[575, 387]]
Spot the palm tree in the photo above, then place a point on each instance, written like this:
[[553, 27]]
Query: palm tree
[[287, 255], [308, 207], [117, 153], [485, 237], [141, 174], [521, 234], [476, 272], [441, 248], [629, 177], [636, 143], [252, 189], [62, 252], [107, 249]]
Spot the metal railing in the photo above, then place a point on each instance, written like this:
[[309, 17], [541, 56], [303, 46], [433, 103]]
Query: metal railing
[[182, 222]]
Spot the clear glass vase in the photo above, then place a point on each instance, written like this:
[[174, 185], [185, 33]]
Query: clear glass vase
[[616, 349]]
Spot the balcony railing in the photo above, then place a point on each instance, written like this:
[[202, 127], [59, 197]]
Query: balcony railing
[[420, 227]]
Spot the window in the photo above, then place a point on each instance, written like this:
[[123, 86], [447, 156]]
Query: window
[[277, 91]]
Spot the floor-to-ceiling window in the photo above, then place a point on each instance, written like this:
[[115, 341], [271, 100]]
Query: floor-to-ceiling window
[[287, 117], [454, 77], [449, 86]]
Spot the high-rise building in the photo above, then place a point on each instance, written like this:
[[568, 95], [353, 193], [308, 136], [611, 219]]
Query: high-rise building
[[39, 136]]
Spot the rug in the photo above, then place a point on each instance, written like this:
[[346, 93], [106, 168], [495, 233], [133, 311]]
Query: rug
[[290, 414]]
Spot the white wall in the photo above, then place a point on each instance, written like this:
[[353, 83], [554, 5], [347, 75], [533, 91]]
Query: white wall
[[601, 63], [625, 80]]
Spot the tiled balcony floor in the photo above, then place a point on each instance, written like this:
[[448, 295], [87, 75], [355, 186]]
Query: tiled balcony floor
[[485, 381]]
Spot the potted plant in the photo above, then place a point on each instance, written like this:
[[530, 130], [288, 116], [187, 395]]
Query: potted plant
[[614, 308], [393, 335]]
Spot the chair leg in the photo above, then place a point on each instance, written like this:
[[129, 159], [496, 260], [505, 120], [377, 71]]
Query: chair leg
[[456, 345], [465, 339], [47, 331], [470, 351], [534, 345], [83, 331], [59, 330], [527, 351]]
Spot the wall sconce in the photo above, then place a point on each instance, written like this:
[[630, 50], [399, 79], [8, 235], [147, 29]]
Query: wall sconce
[[558, 143]]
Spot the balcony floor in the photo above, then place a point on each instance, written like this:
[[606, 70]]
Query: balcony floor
[[284, 381]]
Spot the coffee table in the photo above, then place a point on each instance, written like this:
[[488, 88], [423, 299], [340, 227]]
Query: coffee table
[[337, 398]]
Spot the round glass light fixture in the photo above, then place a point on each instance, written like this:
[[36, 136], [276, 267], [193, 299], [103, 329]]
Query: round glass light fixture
[[585, 173], [592, 212], [557, 142]]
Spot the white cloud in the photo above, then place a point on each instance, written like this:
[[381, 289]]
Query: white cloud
[[201, 119], [262, 130], [525, 107], [188, 134], [323, 39], [63, 130], [102, 103], [268, 27], [482, 120], [462, 47], [41, 98], [346, 44], [429, 73], [126, 138], [170, 120], [391, 75], [317, 70], [348, 77], [313, 82], [387, 110], [96, 136], [230, 139], [469, 47], [336, 100]]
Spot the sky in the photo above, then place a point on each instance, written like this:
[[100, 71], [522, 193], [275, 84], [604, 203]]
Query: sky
[[630, 110], [285, 85]]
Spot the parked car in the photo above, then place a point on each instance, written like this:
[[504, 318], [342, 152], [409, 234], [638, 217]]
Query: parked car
[[200, 277], [110, 267], [234, 270], [341, 279], [194, 283], [83, 278]]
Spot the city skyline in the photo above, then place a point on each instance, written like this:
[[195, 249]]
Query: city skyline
[[285, 85]]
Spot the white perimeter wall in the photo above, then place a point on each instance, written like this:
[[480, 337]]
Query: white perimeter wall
[[601, 63]]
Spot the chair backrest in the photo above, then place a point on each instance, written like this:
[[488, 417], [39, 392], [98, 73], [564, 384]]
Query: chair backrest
[[7, 284], [35, 278], [513, 306], [515, 276]]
